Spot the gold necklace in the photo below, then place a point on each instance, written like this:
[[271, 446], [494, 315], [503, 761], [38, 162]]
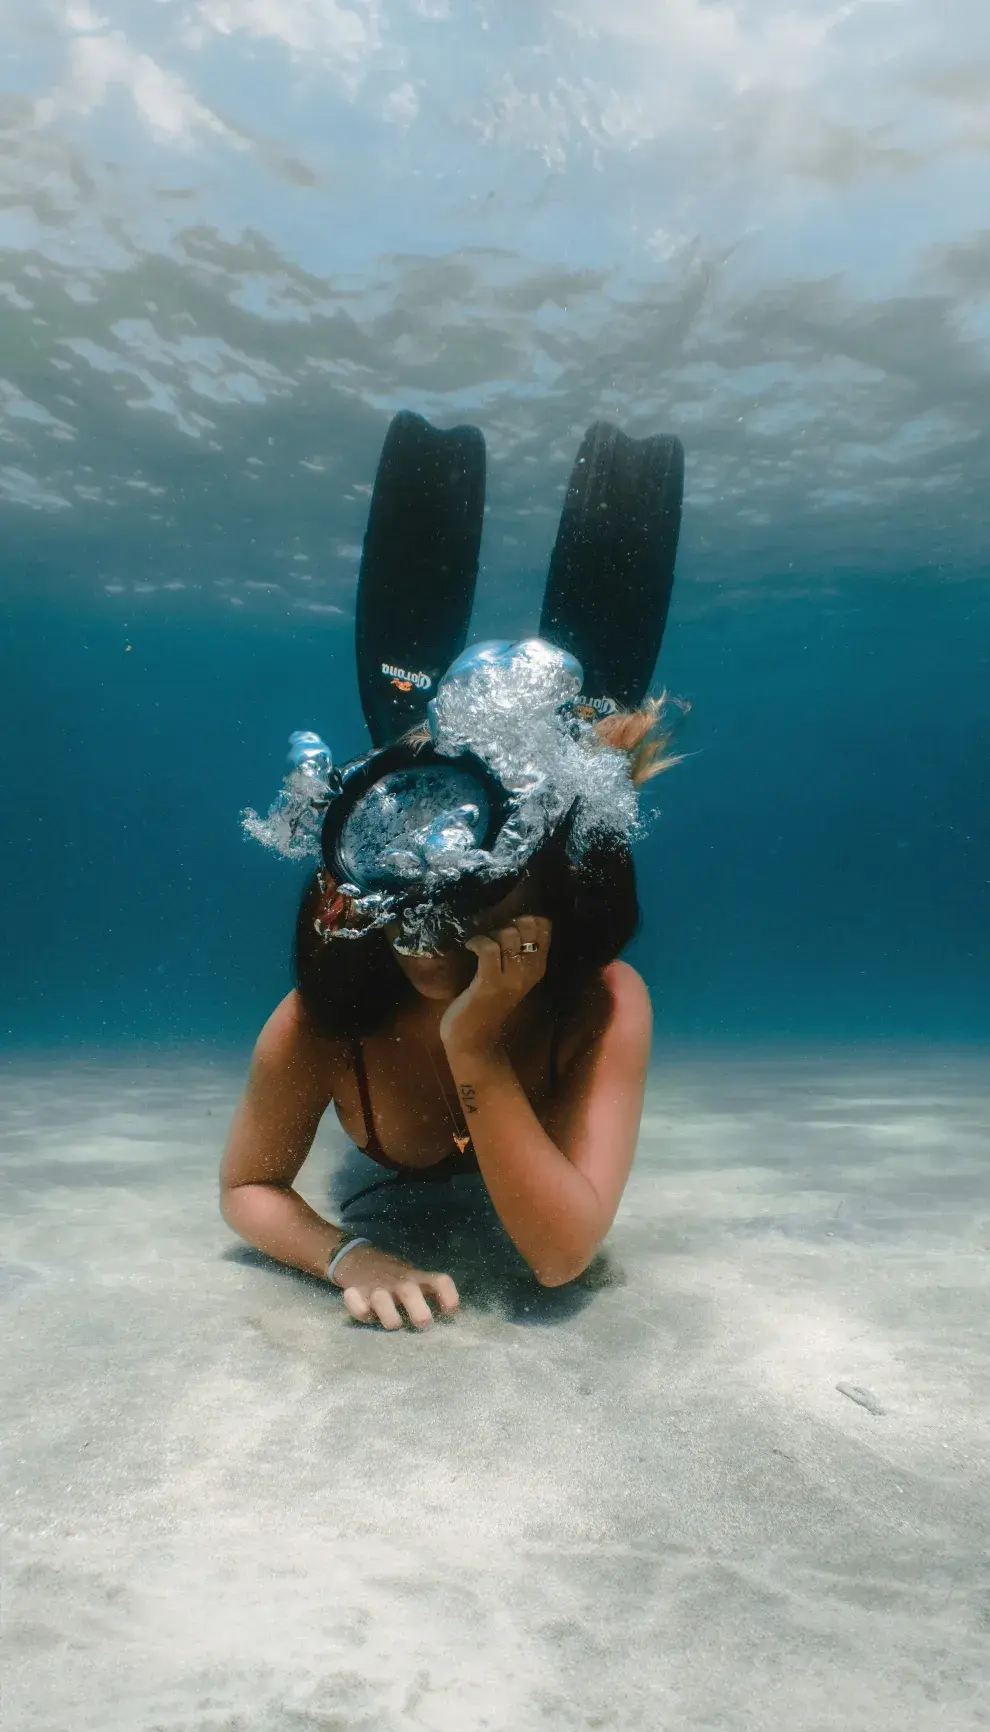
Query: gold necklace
[[461, 1141]]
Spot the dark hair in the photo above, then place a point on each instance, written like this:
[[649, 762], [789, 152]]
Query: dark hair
[[352, 987]]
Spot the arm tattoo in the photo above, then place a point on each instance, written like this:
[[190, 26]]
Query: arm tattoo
[[469, 1098]]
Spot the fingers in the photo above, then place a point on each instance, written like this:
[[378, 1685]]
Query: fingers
[[506, 949], [535, 929], [525, 944], [510, 944], [417, 1309], [489, 954], [357, 1304], [443, 1290], [378, 1303], [385, 1308]]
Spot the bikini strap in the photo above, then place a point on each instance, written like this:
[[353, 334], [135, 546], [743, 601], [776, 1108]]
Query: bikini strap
[[361, 1074]]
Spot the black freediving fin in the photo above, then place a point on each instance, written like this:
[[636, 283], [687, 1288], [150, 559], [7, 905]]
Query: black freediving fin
[[418, 569], [612, 567]]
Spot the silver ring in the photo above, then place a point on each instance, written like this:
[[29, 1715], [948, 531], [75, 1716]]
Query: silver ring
[[528, 949]]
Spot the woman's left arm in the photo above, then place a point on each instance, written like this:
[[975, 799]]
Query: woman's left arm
[[556, 1189]]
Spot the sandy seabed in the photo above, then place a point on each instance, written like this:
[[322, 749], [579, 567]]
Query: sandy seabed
[[736, 1478]]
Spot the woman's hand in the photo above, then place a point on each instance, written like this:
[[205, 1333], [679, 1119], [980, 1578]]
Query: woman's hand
[[375, 1284], [510, 963]]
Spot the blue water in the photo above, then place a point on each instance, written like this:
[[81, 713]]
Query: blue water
[[759, 227], [748, 1447], [819, 867]]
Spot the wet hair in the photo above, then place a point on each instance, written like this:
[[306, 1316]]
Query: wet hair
[[352, 987], [645, 735]]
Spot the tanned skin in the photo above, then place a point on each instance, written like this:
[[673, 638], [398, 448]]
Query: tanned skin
[[479, 1027]]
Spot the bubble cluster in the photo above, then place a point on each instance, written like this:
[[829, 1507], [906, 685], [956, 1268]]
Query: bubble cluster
[[294, 820], [418, 832]]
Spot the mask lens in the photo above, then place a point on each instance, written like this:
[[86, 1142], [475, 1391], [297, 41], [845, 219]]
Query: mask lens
[[411, 823]]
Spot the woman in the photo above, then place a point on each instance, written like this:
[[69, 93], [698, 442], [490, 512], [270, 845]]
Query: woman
[[520, 1051]]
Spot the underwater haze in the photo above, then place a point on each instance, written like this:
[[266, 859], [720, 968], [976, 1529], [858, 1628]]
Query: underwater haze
[[740, 1483], [238, 236]]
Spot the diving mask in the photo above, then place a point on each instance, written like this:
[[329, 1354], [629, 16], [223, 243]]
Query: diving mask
[[416, 829]]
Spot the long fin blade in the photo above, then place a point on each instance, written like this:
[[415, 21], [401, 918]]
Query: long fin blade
[[612, 569], [419, 568]]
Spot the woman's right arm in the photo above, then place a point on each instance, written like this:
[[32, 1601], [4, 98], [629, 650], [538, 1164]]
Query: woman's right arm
[[289, 1089]]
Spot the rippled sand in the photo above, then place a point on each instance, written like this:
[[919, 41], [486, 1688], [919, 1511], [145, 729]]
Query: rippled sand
[[736, 1479]]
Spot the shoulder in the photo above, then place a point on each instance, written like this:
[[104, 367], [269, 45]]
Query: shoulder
[[629, 1013], [627, 990], [615, 1009], [289, 1047]]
